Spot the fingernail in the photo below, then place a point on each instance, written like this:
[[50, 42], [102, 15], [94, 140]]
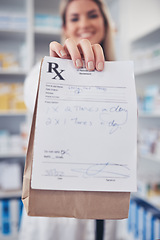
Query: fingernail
[[63, 53], [78, 63], [90, 65], [100, 66]]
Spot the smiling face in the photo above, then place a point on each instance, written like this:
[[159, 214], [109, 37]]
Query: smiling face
[[84, 21]]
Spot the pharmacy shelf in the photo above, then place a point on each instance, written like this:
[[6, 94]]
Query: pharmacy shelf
[[12, 238], [148, 115], [13, 30], [150, 157], [47, 31], [15, 72], [10, 194], [10, 113], [12, 155], [148, 70], [149, 38], [148, 200]]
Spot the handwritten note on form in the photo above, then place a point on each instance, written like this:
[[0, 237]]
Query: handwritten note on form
[[86, 128]]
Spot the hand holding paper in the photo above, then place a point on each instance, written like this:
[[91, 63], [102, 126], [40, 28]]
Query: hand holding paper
[[86, 128]]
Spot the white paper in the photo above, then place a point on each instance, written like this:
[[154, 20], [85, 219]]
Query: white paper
[[86, 128]]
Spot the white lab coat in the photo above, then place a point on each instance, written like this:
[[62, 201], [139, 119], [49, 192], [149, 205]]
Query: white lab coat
[[44, 228]]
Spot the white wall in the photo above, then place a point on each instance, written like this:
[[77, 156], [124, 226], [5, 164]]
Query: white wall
[[136, 18], [144, 16]]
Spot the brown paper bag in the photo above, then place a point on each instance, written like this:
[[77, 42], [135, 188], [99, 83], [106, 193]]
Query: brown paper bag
[[76, 204]]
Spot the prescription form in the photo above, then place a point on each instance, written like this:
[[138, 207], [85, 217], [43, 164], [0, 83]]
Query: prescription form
[[86, 128]]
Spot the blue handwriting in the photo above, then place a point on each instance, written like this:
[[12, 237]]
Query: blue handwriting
[[100, 170]]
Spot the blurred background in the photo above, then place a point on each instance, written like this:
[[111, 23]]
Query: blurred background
[[26, 29]]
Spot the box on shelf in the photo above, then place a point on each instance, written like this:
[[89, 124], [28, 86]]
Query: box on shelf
[[10, 212], [10, 144], [10, 176], [149, 100], [15, 143], [146, 58], [11, 20], [152, 93], [17, 101], [4, 96], [144, 220], [11, 96], [149, 188], [15, 59], [8, 61], [148, 143], [157, 149], [4, 137], [47, 21]]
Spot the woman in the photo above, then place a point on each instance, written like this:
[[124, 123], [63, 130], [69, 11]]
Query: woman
[[87, 34], [87, 29]]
